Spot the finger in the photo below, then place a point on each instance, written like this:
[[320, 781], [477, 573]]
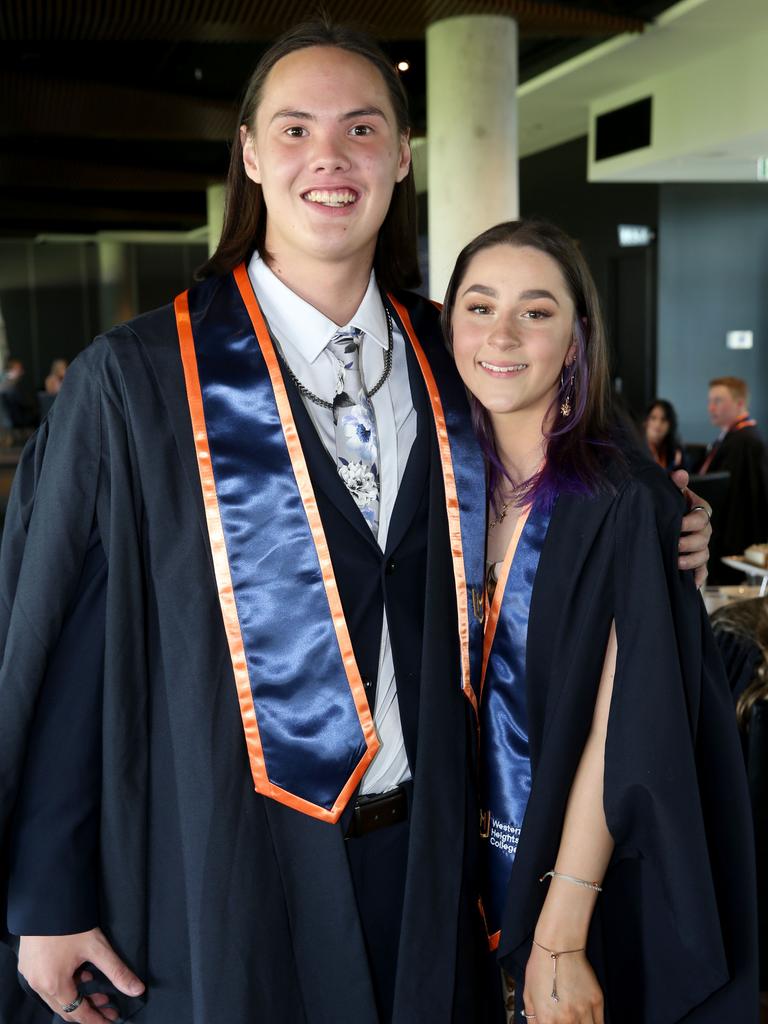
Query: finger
[[694, 542], [84, 1014], [99, 999], [680, 478], [121, 976], [694, 560], [696, 522], [527, 1013]]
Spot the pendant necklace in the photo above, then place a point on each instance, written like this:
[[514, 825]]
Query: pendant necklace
[[497, 520]]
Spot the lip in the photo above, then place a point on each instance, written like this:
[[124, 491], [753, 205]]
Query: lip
[[331, 211]]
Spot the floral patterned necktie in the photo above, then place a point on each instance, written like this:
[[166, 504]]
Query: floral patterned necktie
[[357, 444]]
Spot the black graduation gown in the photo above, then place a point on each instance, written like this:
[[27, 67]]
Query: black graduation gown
[[743, 454], [230, 906], [673, 937]]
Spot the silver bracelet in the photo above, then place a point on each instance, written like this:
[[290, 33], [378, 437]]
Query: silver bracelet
[[575, 881]]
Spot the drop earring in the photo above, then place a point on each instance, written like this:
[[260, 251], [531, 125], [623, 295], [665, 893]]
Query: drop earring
[[566, 406]]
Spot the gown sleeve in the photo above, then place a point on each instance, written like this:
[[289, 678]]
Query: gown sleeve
[[675, 789], [44, 564], [53, 836]]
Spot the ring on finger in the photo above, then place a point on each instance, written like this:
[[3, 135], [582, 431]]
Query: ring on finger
[[74, 1005], [702, 508]]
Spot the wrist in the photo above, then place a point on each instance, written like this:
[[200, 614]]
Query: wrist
[[565, 918]]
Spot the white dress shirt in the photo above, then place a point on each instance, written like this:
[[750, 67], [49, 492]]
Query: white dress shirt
[[303, 333]]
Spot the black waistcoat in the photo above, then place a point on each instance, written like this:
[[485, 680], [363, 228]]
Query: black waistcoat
[[368, 578]]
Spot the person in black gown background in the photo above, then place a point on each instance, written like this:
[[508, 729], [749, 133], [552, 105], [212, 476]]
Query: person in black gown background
[[739, 450], [610, 762]]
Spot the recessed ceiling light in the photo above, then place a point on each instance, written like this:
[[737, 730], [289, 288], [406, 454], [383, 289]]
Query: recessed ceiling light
[[403, 65]]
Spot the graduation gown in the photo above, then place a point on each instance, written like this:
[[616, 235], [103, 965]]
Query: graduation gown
[[230, 906], [743, 454], [673, 936]]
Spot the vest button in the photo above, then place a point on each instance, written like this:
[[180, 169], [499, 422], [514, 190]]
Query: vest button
[[367, 683], [390, 567]]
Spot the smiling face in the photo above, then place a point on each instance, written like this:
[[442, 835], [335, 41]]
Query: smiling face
[[327, 153], [512, 325]]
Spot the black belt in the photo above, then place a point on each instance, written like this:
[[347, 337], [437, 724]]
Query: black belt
[[370, 813]]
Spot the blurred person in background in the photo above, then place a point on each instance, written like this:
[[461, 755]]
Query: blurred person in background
[[739, 450], [55, 378], [16, 407], [660, 423]]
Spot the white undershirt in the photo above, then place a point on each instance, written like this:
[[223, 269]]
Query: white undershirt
[[303, 333]]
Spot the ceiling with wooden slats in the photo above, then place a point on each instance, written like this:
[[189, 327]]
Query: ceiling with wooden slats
[[118, 113], [229, 21]]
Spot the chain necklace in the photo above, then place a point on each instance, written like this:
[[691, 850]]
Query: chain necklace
[[504, 509], [306, 393], [500, 517]]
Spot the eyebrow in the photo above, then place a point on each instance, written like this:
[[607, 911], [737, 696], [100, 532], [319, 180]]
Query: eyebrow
[[539, 293], [530, 293], [483, 289], [303, 115]]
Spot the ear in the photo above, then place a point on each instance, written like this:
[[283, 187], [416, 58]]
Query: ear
[[570, 355], [250, 154], [404, 156]]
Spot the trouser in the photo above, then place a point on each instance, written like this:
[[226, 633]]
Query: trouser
[[378, 861]]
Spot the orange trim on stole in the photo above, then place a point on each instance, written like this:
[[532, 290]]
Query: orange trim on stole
[[498, 594], [493, 940], [451, 500], [221, 561]]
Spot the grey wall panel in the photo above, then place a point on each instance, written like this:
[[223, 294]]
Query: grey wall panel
[[713, 277]]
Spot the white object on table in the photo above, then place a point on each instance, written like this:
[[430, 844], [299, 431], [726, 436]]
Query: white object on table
[[742, 565], [716, 597]]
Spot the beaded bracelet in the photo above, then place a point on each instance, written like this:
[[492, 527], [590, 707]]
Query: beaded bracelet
[[575, 881]]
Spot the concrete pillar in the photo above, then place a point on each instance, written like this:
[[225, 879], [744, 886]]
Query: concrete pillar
[[215, 201], [116, 286], [471, 134]]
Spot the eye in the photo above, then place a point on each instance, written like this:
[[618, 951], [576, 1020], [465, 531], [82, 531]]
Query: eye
[[478, 308], [361, 130], [296, 131], [537, 314]]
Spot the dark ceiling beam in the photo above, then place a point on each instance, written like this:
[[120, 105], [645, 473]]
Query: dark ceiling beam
[[32, 105], [54, 172], [251, 20]]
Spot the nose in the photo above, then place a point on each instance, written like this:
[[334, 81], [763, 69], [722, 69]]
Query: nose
[[503, 336], [330, 153]]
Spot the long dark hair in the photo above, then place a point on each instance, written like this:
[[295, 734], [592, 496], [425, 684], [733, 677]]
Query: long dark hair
[[245, 215], [576, 443], [670, 443]]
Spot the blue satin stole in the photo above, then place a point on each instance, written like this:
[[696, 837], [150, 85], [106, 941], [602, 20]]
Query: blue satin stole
[[463, 471], [308, 728], [505, 767]]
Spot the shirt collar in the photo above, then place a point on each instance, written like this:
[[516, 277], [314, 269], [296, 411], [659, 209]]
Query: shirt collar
[[296, 323]]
